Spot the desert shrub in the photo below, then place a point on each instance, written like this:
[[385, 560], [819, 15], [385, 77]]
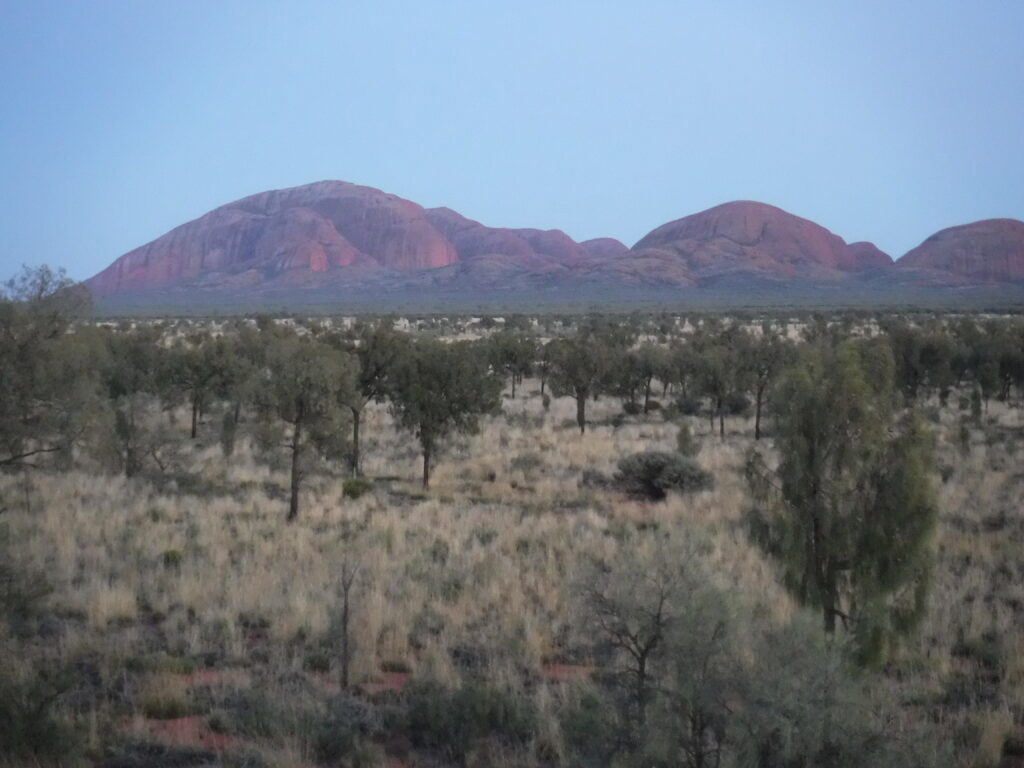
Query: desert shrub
[[228, 431], [355, 487], [274, 716], [653, 405], [30, 728], [632, 409], [545, 401], [588, 725], [453, 720], [171, 558], [736, 404], [652, 474], [686, 443], [592, 478], [689, 406], [343, 737], [317, 661], [527, 462]]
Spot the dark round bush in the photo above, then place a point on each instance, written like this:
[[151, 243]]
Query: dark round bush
[[737, 404], [652, 474], [689, 406]]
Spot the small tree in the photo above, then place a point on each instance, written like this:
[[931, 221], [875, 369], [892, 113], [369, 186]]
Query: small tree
[[666, 636], [439, 389], [850, 507], [717, 372], [378, 348], [194, 370], [302, 385], [48, 382], [763, 357], [651, 362], [512, 354], [579, 366]]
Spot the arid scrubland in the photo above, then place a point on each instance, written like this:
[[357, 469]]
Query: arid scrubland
[[165, 581], [616, 565]]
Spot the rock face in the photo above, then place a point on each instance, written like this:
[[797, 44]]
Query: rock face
[[864, 256], [990, 251], [332, 237], [754, 238], [313, 228], [333, 232]]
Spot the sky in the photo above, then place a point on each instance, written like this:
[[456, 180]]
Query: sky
[[883, 121]]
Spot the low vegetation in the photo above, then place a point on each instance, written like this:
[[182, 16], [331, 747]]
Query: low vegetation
[[671, 541]]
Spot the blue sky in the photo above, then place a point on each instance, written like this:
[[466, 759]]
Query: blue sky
[[882, 121]]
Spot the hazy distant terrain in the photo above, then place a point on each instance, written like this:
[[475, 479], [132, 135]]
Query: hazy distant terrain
[[336, 246]]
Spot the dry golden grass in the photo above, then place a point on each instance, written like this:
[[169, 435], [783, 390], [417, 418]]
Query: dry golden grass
[[484, 560]]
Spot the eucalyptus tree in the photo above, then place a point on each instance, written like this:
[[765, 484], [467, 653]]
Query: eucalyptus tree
[[195, 370], [850, 509], [763, 357], [378, 347], [48, 383], [301, 387], [512, 354], [580, 365], [439, 389]]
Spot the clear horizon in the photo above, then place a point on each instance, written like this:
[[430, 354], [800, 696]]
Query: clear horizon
[[123, 120]]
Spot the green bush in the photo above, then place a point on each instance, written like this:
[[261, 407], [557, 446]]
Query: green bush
[[317, 661], [652, 474], [228, 431], [355, 487], [686, 443], [736, 404], [453, 720], [343, 737], [30, 729], [171, 558], [689, 406]]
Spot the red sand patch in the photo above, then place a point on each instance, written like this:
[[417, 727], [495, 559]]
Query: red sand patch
[[182, 731], [386, 681], [561, 673]]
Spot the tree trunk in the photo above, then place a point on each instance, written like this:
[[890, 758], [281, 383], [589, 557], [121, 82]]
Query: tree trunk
[[647, 396], [757, 412], [426, 468], [346, 655], [513, 386], [721, 420], [195, 415], [357, 415], [293, 505], [581, 413]]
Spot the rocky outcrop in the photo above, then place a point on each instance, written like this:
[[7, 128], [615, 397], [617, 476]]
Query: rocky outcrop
[[334, 237], [755, 238], [989, 251], [862, 256], [313, 228]]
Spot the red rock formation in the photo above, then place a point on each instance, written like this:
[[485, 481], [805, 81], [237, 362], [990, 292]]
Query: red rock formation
[[991, 250], [751, 237], [605, 248], [332, 236], [315, 228], [861, 256]]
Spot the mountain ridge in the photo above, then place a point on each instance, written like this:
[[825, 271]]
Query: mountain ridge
[[342, 237]]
